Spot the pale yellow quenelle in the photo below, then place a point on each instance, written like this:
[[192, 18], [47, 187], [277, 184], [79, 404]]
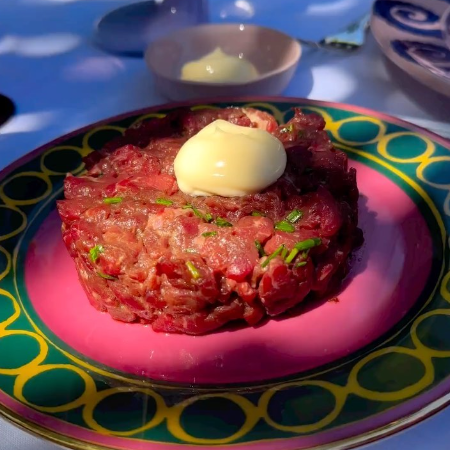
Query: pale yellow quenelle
[[218, 67], [229, 160]]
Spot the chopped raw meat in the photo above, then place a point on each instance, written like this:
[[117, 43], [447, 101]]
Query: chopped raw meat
[[146, 252]]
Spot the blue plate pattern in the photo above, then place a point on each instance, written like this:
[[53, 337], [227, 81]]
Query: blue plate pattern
[[415, 31], [409, 17], [435, 58]]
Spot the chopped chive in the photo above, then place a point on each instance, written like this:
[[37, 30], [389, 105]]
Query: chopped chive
[[295, 251], [273, 255], [260, 249], [292, 255], [163, 201], [106, 276], [220, 222], [258, 214], [301, 264], [284, 226], [194, 210], [193, 270], [112, 200], [307, 244], [284, 252], [206, 217], [191, 250], [289, 128], [209, 234], [294, 216], [95, 252]]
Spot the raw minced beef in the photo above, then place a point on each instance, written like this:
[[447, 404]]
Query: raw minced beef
[[146, 252]]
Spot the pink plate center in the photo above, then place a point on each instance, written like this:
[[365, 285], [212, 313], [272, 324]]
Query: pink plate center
[[388, 274]]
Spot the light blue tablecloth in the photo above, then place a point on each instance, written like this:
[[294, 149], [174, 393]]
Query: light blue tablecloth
[[61, 82]]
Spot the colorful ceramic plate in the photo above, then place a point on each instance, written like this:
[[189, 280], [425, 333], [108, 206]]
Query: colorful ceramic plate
[[412, 34], [446, 23], [348, 371]]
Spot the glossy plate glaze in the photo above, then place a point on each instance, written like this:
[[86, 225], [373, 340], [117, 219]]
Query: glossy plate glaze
[[413, 35], [446, 27], [351, 370]]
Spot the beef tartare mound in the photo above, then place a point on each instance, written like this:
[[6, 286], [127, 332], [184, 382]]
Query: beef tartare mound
[[146, 252]]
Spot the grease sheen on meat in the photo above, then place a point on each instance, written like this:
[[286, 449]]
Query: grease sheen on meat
[[170, 265]]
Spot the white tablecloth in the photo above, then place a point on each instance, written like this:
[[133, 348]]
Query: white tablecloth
[[60, 81]]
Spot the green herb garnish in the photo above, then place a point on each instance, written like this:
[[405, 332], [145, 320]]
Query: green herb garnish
[[163, 201], [191, 250], [95, 252], [260, 249], [193, 270], [112, 200], [307, 244], [209, 234], [302, 246], [106, 276], [301, 264], [284, 252], [273, 255], [220, 222], [284, 226], [194, 210], [289, 128], [258, 214], [292, 255], [294, 216], [206, 217]]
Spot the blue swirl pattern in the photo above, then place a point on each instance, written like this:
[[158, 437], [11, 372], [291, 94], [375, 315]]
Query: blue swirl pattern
[[435, 58], [446, 26], [409, 17]]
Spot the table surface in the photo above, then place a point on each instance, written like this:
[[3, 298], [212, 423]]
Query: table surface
[[60, 82]]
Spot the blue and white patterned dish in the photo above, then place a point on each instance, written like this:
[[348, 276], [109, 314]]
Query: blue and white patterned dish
[[414, 34], [447, 27]]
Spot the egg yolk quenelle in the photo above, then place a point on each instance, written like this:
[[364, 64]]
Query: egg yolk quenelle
[[229, 160], [218, 67]]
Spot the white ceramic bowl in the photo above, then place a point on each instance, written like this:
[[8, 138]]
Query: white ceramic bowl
[[274, 54]]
